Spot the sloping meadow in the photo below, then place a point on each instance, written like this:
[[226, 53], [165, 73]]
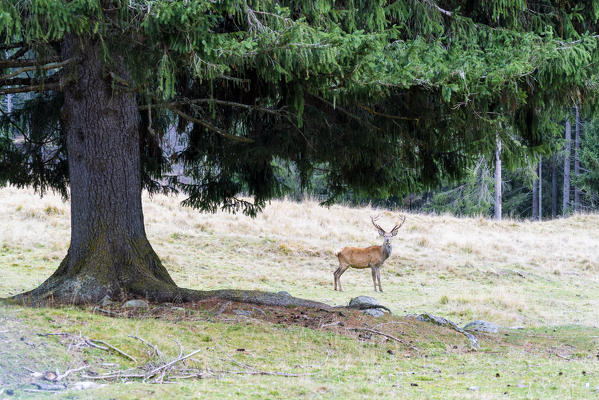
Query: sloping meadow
[[541, 277]]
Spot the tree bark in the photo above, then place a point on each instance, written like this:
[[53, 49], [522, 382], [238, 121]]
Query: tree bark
[[109, 254], [566, 194], [498, 194], [576, 159]]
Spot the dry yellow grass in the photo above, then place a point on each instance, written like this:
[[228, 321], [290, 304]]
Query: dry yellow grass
[[510, 272]]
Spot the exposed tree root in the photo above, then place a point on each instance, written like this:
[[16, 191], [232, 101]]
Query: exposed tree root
[[76, 293]]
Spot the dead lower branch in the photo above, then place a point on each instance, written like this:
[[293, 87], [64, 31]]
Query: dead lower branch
[[28, 62], [33, 88], [35, 68], [209, 126]]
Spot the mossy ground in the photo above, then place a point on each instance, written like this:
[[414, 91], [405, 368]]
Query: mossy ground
[[540, 276]]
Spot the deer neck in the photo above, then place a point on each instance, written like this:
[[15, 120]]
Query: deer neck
[[386, 250]]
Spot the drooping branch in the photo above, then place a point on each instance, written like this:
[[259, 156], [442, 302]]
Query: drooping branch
[[209, 126]]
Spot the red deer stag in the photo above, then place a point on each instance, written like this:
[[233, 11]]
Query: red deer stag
[[370, 257]]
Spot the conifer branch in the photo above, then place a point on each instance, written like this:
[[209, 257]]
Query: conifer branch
[[209, 126]]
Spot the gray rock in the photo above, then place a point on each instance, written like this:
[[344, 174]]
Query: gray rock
[[366, 303], [360, 301], [375, 312], [474, 388], [178, 309], [481, 326], [449, 324], [246, 313], [136, 303], [284, 293], [106, 301]]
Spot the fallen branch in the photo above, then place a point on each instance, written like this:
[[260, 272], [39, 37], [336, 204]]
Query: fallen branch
[[383, 334], [563, 357], [153, 346], [113, 348], [112, 376], [167, 365], [69, 372]]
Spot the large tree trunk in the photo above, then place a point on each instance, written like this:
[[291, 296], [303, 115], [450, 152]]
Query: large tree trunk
[[566, 198], [498, 196], [109, 254]]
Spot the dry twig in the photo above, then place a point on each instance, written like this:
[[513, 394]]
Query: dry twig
[[383, 334]]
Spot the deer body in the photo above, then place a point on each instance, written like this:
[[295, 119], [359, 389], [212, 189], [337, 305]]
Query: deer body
[[369, 257]]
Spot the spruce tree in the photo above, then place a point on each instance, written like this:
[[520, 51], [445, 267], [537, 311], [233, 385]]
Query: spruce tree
[[391, 96]]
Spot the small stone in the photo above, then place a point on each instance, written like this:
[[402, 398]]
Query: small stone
[[374, 312], [390, 352], [474, 388], [9, 392], [413, 384], [106, 301], [50, 376], [246, 313], [521, 385], [178, 309], [136, 303]]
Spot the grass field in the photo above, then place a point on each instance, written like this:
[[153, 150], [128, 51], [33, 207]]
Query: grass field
[[542, 277]]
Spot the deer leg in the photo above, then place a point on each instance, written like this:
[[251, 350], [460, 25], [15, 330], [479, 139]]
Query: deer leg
[[378, 277], [373, 270], [342, 268], [335, 276]]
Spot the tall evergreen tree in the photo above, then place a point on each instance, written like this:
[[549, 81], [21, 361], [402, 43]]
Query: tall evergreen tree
[[391, 96]]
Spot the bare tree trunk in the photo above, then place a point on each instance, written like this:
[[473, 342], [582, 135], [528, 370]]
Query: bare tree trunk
[[8, 97], [566, 194], [540, 206], [553, 186], [577, 159], [498, 194], [535, 198]]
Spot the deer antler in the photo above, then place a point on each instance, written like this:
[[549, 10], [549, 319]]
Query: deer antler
[[396, 227], [375, 224]]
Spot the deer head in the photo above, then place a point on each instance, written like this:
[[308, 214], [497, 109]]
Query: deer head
[[387, 235]]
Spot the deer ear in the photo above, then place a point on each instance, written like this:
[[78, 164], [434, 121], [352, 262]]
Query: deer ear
[[394, 233], [381, 232]]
